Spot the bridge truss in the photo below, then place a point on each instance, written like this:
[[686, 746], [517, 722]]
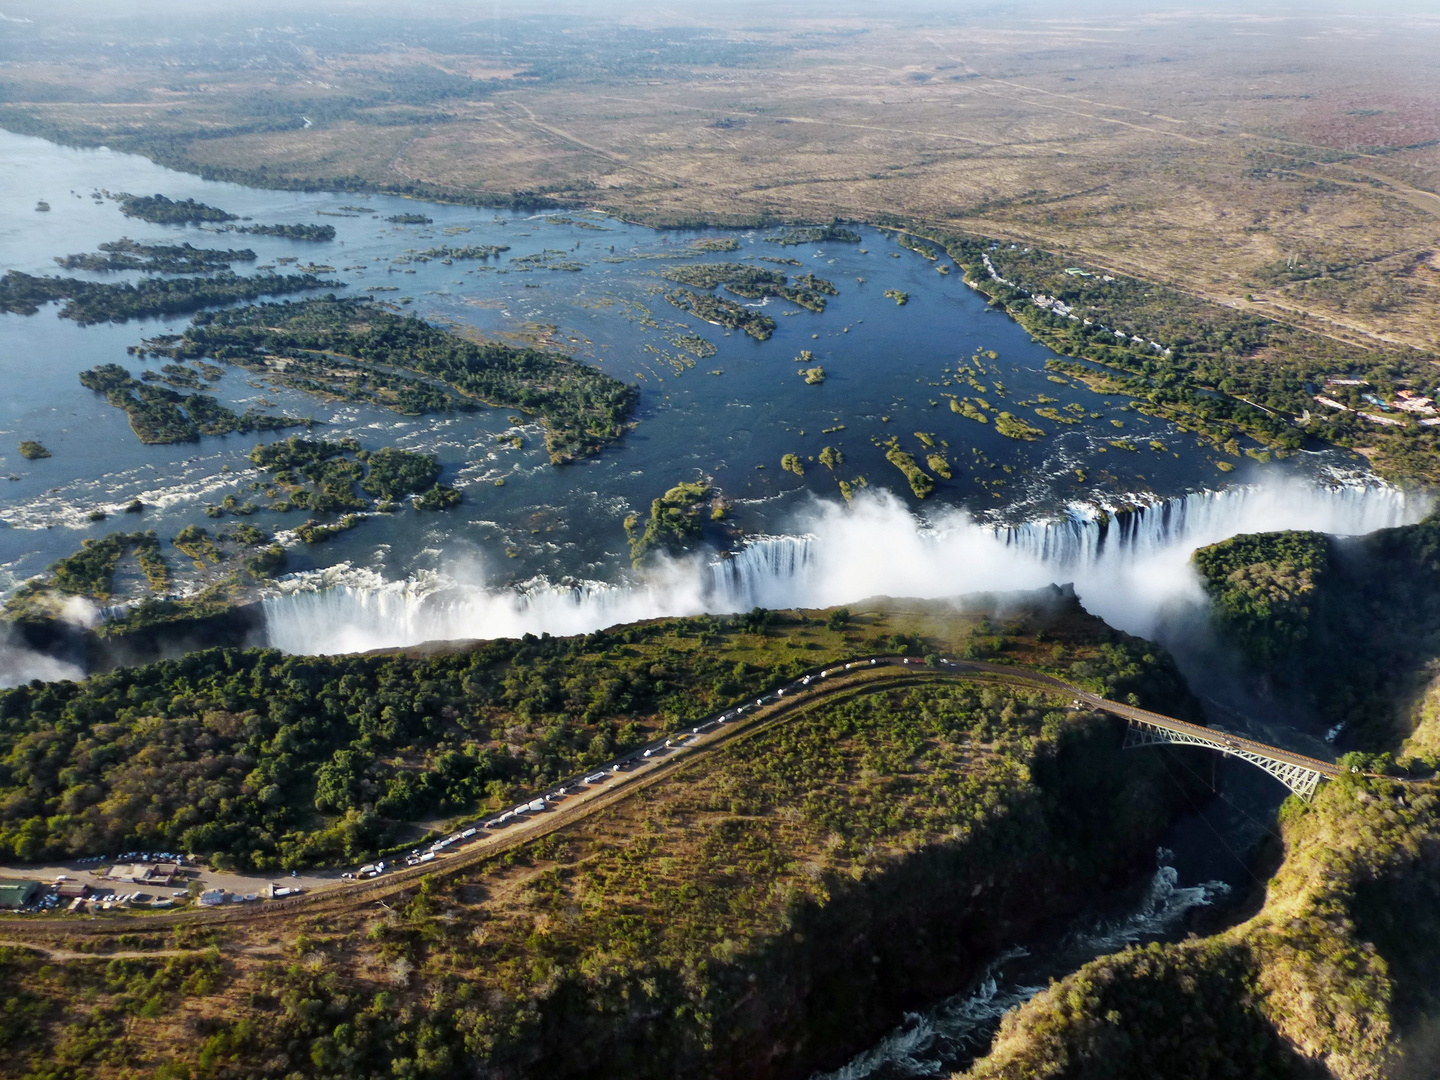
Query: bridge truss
[[1299, 778]]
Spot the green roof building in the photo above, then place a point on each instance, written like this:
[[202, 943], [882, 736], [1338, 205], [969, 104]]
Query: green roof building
[[16, 894]]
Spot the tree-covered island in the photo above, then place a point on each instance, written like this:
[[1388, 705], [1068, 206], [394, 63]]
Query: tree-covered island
[[359, 350]]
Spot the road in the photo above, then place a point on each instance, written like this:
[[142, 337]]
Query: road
[[640, 768]]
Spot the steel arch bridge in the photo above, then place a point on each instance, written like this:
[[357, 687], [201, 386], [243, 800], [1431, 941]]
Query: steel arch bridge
[[1298, 772]]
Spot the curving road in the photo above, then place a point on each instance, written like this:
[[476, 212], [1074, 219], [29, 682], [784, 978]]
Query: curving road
[[562, 804]]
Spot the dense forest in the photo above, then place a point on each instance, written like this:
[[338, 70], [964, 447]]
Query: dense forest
[[350, 347], [722, 312], [126, 254], [92, 302], [288, 232], [676, 521], [161, 415], [165, 211], [322, 476], [263, 760], [1349, 623], [753, 282]]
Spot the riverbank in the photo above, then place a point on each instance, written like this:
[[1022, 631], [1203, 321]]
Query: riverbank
[[763, 910]]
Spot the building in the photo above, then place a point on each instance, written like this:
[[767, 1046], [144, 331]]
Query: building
[[1410, 401], [158, 875], [72, 890], [18, 894]]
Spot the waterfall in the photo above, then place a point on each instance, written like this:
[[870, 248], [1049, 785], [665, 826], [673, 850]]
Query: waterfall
[[1128, 562]]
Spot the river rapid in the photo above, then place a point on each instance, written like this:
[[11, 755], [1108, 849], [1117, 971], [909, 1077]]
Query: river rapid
[[1114, 503], [547, 550]]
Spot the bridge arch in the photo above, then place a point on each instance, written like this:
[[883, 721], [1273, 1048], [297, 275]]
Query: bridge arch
[[1301, 775]]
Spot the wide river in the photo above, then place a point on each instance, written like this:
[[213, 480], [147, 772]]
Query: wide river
[[547, 549]]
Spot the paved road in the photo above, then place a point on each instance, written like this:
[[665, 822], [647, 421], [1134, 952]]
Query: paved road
[[564, 803]]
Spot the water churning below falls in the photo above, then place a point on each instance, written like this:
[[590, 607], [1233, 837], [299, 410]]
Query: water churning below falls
[[951, 1034], [1127, 565]]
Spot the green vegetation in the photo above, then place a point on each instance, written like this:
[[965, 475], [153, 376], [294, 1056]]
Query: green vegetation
[[316, 532], [197, 543], [90, 572], [814, 376], [90, 302], [1012, 427], [158, 415], [791, 463], [717, 243], [31, 450], [965, 407], [722, 312], [235, 746], [437, 497], [410, 219], [353, 349], [156, 258], [163, 211], [924, 250], [734, 879], [695, 345], [675, 523], [816, 234], [830, 457], [1215, 370], [1338, 966], [469, 252], [1049, 412], [287, 232], [1346, 624], [921, 482], [321, 476], [1340, 970], [752, 282], [900, 298], [939, 465], [393, 474]]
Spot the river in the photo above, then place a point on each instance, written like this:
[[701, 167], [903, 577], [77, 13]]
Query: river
[[1113, 503], [547, 550]]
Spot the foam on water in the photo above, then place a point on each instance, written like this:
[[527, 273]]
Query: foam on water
[[949, 1035], [1129, 564]]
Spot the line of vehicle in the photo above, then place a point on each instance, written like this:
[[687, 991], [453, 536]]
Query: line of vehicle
[[559, 805]]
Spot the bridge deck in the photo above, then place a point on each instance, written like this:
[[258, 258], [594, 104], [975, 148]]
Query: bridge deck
[[1222, 739]]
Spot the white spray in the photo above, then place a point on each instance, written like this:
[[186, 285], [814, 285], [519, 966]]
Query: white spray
[[1128, 566]]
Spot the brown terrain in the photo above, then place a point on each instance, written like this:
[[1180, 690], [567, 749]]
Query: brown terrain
[[1225, 154]]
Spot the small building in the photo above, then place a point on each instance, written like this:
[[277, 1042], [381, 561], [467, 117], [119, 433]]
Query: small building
[[18, 894], [72, 890], [160, 875], [1410, 401]]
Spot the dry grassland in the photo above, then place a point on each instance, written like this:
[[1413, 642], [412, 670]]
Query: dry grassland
[[1283, 165]]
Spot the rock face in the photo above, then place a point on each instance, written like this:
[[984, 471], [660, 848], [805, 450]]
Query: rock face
[[240, 626], [844, 971]]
